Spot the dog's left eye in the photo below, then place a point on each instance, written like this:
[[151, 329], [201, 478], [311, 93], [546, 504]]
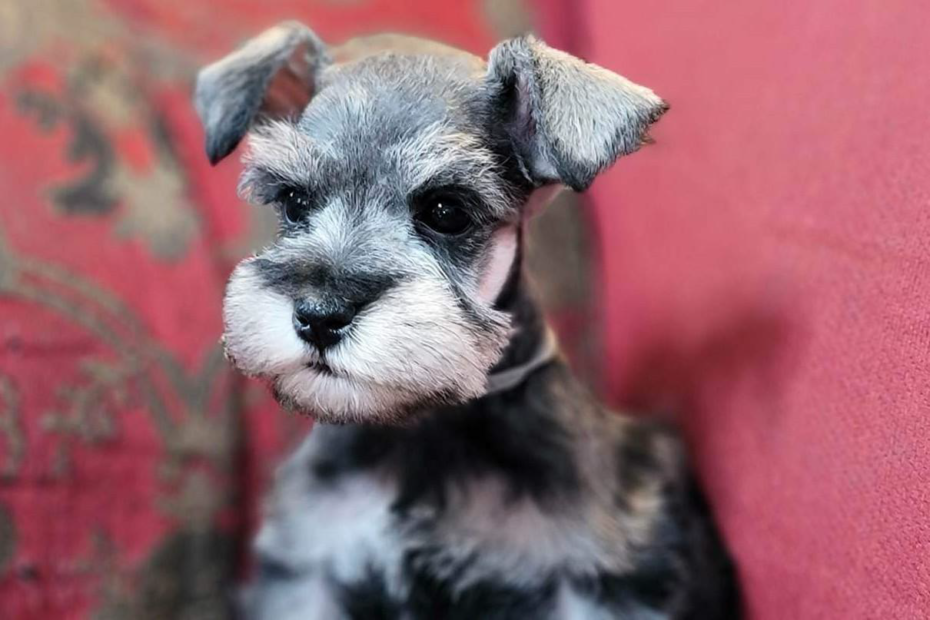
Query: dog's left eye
[[444, 214], [294, 204]]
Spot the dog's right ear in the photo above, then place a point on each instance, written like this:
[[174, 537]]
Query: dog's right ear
[[273, 75]]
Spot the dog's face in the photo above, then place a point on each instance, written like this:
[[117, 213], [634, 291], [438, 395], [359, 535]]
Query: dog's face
[[400, 170]]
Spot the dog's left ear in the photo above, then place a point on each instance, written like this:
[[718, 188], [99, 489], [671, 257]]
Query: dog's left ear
[[568, 119], [272, 75]]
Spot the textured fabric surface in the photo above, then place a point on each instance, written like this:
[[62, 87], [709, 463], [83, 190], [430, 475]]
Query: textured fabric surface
[[766, 275], [132, 459]]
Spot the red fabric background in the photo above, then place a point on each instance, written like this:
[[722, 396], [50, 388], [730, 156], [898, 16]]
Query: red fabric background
[[766, 272]]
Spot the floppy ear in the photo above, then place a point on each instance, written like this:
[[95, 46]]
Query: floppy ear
[[273, 75], [568, 119]]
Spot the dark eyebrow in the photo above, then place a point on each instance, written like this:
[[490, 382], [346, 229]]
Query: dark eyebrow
[[280, 154], [440, 154], [262, 186]]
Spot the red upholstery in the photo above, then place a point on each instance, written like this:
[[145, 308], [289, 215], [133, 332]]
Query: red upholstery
[[765, 270]]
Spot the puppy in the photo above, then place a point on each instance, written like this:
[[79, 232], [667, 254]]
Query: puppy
[[458, 471]]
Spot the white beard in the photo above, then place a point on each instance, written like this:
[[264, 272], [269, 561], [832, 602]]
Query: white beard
[[414, 345]]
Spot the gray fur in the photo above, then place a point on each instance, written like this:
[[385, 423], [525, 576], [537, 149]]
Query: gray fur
[[390, 119], [570, 119], [421, 495], [230, 93]]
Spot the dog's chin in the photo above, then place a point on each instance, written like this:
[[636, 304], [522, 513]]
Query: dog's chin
[[336, 398]]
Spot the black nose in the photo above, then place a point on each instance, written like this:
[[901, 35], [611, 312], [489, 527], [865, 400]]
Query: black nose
[[322, 324]]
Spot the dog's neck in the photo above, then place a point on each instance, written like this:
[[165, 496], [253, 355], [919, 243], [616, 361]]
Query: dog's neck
[[506, 379], [532, 344]]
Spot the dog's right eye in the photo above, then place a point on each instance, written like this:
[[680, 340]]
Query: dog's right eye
[[294, 204]]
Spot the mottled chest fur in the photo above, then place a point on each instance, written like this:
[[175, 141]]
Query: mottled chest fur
[[531, 504]]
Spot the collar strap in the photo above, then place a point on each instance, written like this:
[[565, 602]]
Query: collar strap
[[508, 379]]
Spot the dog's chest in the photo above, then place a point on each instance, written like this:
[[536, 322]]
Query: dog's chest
[[352, 526], [343, 529], [345, 539]]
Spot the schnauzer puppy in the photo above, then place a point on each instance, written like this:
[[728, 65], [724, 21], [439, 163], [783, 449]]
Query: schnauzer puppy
[[457, 471]]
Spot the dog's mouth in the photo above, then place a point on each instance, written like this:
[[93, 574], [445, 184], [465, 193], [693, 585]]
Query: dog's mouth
[[324, 369], [321, 367]]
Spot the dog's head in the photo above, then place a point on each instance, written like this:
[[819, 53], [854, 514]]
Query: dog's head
[[401, 170]]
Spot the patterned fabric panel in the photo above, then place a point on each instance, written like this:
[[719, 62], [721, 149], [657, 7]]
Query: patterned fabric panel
[[132, 458]]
